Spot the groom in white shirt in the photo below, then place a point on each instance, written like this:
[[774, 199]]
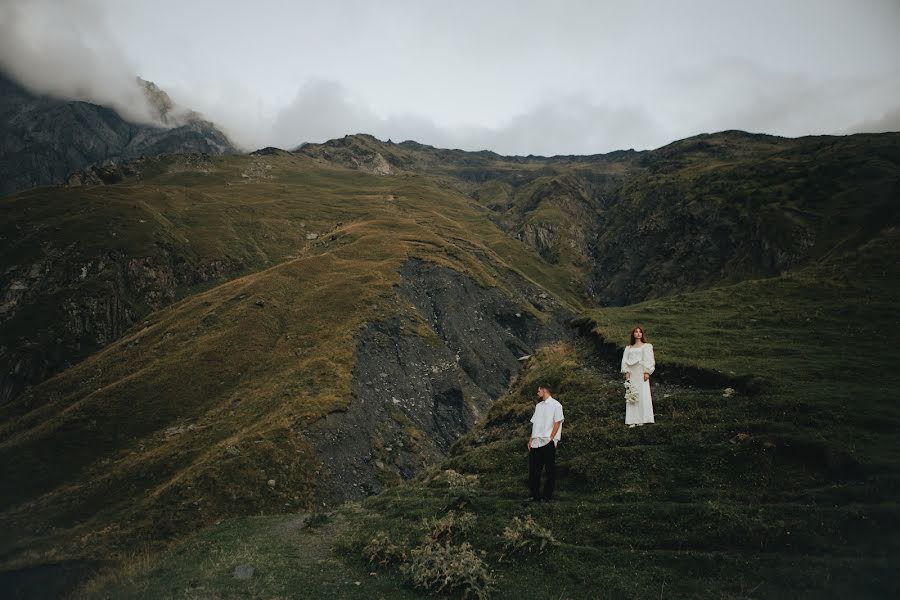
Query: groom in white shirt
[[546, 430]]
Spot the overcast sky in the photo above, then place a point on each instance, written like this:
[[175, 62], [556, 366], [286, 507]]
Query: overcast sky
[[517, 77]]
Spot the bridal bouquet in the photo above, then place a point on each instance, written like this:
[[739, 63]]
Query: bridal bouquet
[[632, 396]]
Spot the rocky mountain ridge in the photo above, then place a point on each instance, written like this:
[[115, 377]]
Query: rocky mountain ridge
[[713, 208], [43, 140], [196, 337]]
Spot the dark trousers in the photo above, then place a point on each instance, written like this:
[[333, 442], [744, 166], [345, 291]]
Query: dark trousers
[[538, 460]]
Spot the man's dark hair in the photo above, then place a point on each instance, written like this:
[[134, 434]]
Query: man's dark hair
[[544, 386]]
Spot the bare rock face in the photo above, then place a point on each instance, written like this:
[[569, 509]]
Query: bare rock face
[[552, 240], [377, 164], [164, 108], [153, 282], [542, 237], [414, 395], [64, 306], [352, 151], [370, 162], [107, 173]]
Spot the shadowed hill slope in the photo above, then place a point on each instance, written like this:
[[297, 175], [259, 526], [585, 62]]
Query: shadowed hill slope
[[786, 488], [214, 406], [614, 229], [202, 337], [43, 139]]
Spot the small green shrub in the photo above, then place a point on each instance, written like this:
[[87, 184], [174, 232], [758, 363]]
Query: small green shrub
[[451, 527], [440, 563], [380, 549], [525, 535], [459, 485], [440, 567]]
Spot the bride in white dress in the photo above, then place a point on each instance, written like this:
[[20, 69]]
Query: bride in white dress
[[637, 365]]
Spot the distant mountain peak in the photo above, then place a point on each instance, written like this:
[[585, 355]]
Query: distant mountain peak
[[164, 110], [48, 138]]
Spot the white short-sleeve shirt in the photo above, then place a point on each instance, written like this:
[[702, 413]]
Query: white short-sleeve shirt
[[546, 413]]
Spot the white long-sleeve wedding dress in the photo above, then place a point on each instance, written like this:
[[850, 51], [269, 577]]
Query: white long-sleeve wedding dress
[[638, 361]]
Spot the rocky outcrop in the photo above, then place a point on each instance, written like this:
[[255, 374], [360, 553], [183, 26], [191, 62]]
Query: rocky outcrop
[[352, 151], [542, 237], [376, 164], [422, 381], [107, 173], [558, 218]]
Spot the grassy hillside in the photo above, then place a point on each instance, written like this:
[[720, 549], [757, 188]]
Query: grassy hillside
[[784, 488], [276, 323], [81, 265], [186, 418], [710, 209]]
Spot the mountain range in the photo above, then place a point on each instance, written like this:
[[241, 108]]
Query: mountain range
[[47, 139], [195, 336]]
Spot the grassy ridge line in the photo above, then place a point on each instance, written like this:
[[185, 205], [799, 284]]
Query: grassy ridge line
[[785, 493], [87, 456], [835, 191], [230, 216]]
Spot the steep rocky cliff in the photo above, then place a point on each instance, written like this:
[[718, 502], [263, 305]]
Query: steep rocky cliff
[[422, 381], [64, 303]]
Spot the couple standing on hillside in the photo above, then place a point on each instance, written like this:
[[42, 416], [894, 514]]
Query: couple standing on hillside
[[638, 363]]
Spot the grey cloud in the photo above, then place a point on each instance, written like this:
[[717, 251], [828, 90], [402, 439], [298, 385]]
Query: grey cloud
[[571, 124], [737, 93], [568, 124], [724, 94], [63, 49], [889, 121], [513, 77], [322, 110]]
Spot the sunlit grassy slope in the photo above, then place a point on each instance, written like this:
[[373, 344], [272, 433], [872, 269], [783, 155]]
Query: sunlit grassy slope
[[182, 421], [788, 491]]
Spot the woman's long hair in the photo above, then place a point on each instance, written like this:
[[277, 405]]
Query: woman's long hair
[[643, 334]]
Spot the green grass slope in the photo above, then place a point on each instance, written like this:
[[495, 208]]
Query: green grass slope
[[182, 421], [82, 264], [786, 488]]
